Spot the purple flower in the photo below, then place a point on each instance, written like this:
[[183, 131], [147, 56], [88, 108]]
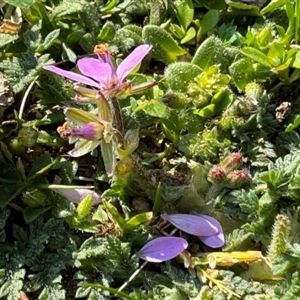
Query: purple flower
[[76, 195], [206, 228], [92, 131], [100, 72], [192, 224], [214, 241], [162, 249]]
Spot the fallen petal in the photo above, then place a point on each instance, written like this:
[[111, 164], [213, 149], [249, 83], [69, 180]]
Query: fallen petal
[[217, 240], [192, 224], [162, 249], [132, 60], [76, 195], [72, 75], [214, 241]]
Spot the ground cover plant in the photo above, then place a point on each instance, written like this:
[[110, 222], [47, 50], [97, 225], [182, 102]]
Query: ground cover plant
[[149, 149]]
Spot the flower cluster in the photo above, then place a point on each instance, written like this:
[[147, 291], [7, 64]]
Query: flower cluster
[[228, 172], [206, 228], [104, 82]]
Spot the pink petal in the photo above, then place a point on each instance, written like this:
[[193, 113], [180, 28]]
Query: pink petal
[[132, 60], [196, 225], [96, 69], [162, 249], [76, 195], [71, 75]]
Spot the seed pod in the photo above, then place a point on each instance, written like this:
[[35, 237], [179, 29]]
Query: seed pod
[[27, 136]]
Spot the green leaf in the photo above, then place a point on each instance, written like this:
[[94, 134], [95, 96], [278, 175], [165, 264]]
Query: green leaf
[[274, 4], [107, 32], [8, 192], [30, 214], [50, 38], [67, 7], [7, 39], [70, 53], [20, 3], [256, 55], [11, 289], [40, 165], [276, 54], [165, 48], [296, 61], [155, 108], [221, 100], [191, 33], [208, 111], [177, 31], [75, 36], [115, 214], [242, 6], [211, 52], [178, 75], [242, 72], [131, 32], [184, 12], [6, 152], [85, 206], [137, 220], [157, 200], [9, 174], [210, 20], [294, 125]]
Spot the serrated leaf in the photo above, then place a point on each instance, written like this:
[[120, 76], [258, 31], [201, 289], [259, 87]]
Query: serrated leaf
[[6, 39], [67, 7], [156, 108], [30, 214], [85, 206]]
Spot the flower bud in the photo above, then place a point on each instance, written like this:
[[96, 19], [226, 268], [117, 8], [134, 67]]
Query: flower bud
[[232, 162], [238, 178], [76, 195], [92, 131], [216, 175]]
